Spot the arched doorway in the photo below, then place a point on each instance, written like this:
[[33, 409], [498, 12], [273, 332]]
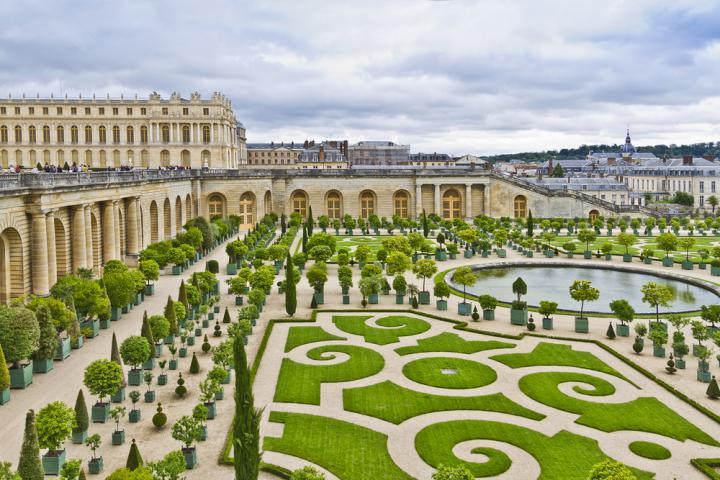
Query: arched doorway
[[520, 206], [153, 222], [61, 249], [333, 202], [367, 204], [185, 158], [12, 272], [593, 215], [216, 205], [268, 203], [451, 205], [247, 210], [188, 208], [299, 203], [205, 158], [401, 202], [178, 215], [167, 216]]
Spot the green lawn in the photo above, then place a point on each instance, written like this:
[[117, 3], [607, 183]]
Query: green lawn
[[374, 242], [564, 455], [298, 336], [650, 450], [300, 383], [398, 326], [645, 414], [349, 451], [447, 372], [452, 342], [396, 404]]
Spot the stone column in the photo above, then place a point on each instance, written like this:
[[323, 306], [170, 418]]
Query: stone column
[[486, 200], [89, 258], [468, 201], [108, 231], [39, 255], [79, 250], [437, 206], [132, 249], [51, 248], [118, 231], [418, 200]]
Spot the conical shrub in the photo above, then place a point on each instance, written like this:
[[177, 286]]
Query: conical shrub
[[134, 459], [82, 421], [29, 466], [194, 364]]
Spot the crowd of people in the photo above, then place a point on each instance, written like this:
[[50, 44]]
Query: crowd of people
[[49, 168]]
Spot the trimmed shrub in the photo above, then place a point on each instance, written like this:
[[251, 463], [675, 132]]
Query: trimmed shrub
[[29, 466], [134, 459], [181, 389], [82, 422], [194, 364], [19, 333], [159, 419], [212, 266], [4, 372]]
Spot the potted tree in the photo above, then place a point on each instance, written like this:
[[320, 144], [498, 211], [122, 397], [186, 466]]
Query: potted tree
[[345, 280], [188, 430], [95, 465], [19, 338], [151, 271], [424, 269], [569, 247], [117, 413], [4, 380], [466, 277], [453, 250], [208, 388], [659, 337], [583, 291], [47, 343], [160, 327], [173, 361], [657, 295], [711, 314], [640, 331], [79, 432], [134, 350], [703, 369], [518, 310], [54, 424], [587, 236], [547, 309], [607, 250], [699, 333], [647, 255], [627, 240], [400, 286], [120, 288], [667, 242], [369, 288], [135, 413], [149, 394], [488, 303], [625, 313], [102, 378], [317, 276], [441, 292], [200, 413], [162, 378]]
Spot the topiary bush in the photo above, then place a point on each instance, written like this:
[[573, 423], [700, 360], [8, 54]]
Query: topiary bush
[[82, 422], [4, 372], [134, 459], [212, 266], [19, 333], [206, 345], [194, 364], [181, 389], [159, 419]]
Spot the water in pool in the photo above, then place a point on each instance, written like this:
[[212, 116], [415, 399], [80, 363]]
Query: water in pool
[[553, 283]]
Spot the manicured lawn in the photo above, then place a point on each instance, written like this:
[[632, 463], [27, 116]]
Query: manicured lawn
[[398, 326], [349, 451], [298, 336], [645, 414], [396, 404], [564, 455], [452, 342], [374, 242], [650, 450], [556, 354], [447, 372], [300, 383]]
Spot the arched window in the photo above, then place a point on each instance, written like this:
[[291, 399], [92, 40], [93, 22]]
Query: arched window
[[186, 133], [60, 134], [130, 157], [88, 134], [185, 158], [18, 134], [451, 205], [130, 135], [103, 159], [400, 204], [593, 215], [46, 156], [74, 135], [18, 157], [165, 134], [334, 205], [60, 157], [205, 158], [247, 209], [215, 205], [32, 134], [299, 203], [88, 158], [102, 135], [206, 133], [116, 134], [367, 204], [75, 157], [4, 161], [3, 134], [520, 206], [143, 135], [144, 159], [46, 134], [153, 222], [116, 158], [165, 158], [33, 158]]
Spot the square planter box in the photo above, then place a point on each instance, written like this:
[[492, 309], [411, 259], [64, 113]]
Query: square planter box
[[687, 265], [4, 396], [211, 316], [176, 269], [190, 457], [95, 466], [467, 254], [77, 343], [173, 365], [547, 323], [680, 363], [100, 412], [115, 314], [238, 300], [169, 340], [158, 350], [198, 332], [441, 304], [488, 314], [518, 317], [190, 341], [63, 349], [399, 299], [373, 299], [135, 377], [346, 299], [659, 351], [581, 325], [319, 298], [78, 438], [149, 364], [608, 256], [118, 438], [93, 325], [440, 255], [104, 323], [149, 289], [53, 461], [627, 257], [647, 260], [587, 255], [464, 308], [21, 377], [138, 299], [150, 397], [227, 379], [220, 395], [135, 416], [704, 377], [216, 309], [424, 298], [231, 269], [667, 262], [162, 379], [702, 266], [42, 365], [622, 330], [183, 352], [119, 396], [714, 271], [126, 309], [205, 323], [529, 254], [212, 410]]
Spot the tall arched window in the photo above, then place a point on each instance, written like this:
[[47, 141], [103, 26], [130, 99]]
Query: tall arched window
[[247, 209], [451, 205], [18, 157], [299, 202], [3, 134], [33, 158], [103, 159], [75, 157], [74, 135], [129, 135], [46, 134], [32, 134], [185, 158], [165, 134], [165, 158], [143, 135], [367, 204], [4, 161], [206, 133], [520, 206], [205, 158], [46, 156], [88, 134], [88, 158], [334, 205], [116, 158], [102, 135], [60, 157], [144, 159], [116, 134], [186, 133], [400, 204], [215, 205], [60, 134], [130, 157]]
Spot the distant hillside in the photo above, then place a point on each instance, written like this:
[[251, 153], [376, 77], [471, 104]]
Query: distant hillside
[[697, 150]]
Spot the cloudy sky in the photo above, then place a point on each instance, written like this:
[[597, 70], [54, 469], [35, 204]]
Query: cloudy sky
[[457, 76]]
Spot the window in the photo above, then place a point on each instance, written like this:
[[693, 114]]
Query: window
[[32, 134], [143, 135], [165, 134], [186, 133], [103, 159], [18, 134], [299, 203], [206, 111], [74, 157], [3, 134], [186, 111], [451, 205], [116, 158], [367, 204], [130, 135], [702, 187], [401, 204], [215, 205], [101, 111], [702, 201], [164, 110], [520, 206], [128, 111], [143, 111], [46, 111], [165, 158], [88, 134], [102, 135], [46, 134], [206, 133], [116, 110], [3, 111], [712, 187], [31, 110], [60, 134], [17, 112], [334, 205], [247, 205], [74, 135], [116, 134], [87, 110], [59, 110]]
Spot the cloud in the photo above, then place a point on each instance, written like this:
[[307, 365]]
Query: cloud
[[455, 76]]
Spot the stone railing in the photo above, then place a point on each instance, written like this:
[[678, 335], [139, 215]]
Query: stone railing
[[19, 181]]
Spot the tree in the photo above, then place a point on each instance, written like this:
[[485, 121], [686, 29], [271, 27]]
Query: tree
[[246, 427], [530, 224], [656, 295], [290, 287], [306, 473], [466, 277], [345, 276], [453, 473], [7, 473], [134, 459], [103, 378], [622, 310], [141, 473], [48, 342], [317, 276], [4, 372], [713, 202], [424, 269], [547, 308], [686, 243], [321, 253], [194, 364], [710, 313], [54, 423], [135, 350], [82, 422], [19, 333], [713, 391], [187, 430], [557, 171], [583, 291], [519, 288], [120, 288], [29, 466], [160, 327], [586, 236], [668, 242], [611, 470], [146, 332], [416, 241], [627, 240], [441, 290], [170, 467], [398, 263], [171, 317], [362, 253]]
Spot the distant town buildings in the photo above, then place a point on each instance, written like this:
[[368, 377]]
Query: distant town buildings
[[378, 153]]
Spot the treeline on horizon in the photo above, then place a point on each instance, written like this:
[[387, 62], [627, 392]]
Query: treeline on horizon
[[671, 151]]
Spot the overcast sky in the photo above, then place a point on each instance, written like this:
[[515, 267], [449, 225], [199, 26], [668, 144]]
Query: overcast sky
[[456, 76]]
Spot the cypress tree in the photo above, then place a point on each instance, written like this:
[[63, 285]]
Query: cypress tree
[[134, 459], [425, 227], [81, 414], [310, 222], [610, 332], [182, 296], [313, 302], [115, 355], [170, 315], [246, 427], [29, 466], [304, 240], [4, 372], [283, 227], [48, 334], [226, 316], [290, 287], [713, 391], [82, 475], [530, 224], [146, 332], [194, 364]]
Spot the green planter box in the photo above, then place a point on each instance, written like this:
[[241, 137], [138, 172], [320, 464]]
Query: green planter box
[[198, 332], [118, 438], [78, 438], [126, 309], [119, 396], [115, 314], [190, 457], [211, 316], [399, 298], [373, 299], [53, 461], [220, 395], [77, 343], [149, 364], [714, 271], [319, 298], [702, 266], [42, 365], [135, 416], [424, 298], [149, 396], [4, 396], [100, 412], [704, 377], [169, 340], [63, 350], [21, 377], [547, 323], [687, 265], [158, 350], [93, 325], [468, 254], [216, 309], [647, 260], [627, 257], [484, 254], [680, 363], [190, 341], [135, 377], [608, 256], [622, 330], [587, 254], [149, 289], [659, 351], [212, 410], [667, 262], [95, 466], [581, 325], [518, 316], [238, 300], [104, 323], [183, 352], [138, 299], [440, 255], [464, 309], [441, 305], [529, 253], [231, 269], [346, 299], [162, 379], [176, 269]]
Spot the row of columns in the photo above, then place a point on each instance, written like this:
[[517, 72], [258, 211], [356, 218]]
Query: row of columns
[[43, 247], [438, 199]]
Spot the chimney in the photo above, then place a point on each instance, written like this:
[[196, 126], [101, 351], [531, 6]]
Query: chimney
[[611, 161], [709, 157], [321, 154], [687, 160], [306, 144]]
